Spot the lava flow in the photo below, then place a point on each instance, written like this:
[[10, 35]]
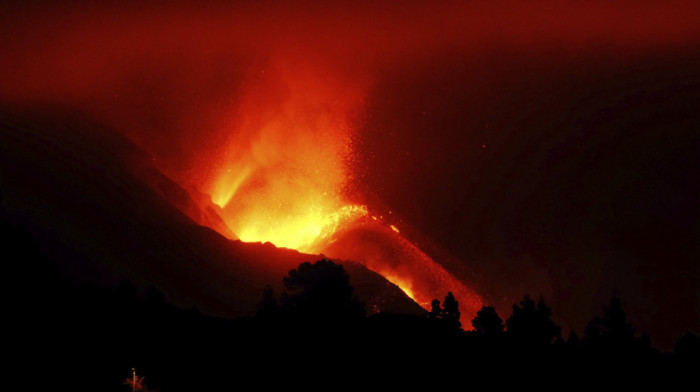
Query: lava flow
[[286, 165], [285, 180]]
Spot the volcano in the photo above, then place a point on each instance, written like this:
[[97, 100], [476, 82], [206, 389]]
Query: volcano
[[97, 208], [488, 149]]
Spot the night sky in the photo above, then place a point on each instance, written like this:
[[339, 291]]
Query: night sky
[[549, 148]]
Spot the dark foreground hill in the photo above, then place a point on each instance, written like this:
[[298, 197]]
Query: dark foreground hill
[[107, 266], [84, 337], [96, 207]]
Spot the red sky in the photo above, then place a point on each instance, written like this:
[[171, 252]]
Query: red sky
[[569, 98]]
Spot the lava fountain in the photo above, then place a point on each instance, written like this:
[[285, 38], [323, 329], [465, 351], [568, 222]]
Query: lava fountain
[[285, 177], [285, 168]]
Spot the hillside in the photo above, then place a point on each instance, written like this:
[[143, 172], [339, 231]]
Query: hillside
[[101, 212]]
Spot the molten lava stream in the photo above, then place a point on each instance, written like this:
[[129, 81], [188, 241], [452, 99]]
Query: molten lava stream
[[285, 170], [286, 161], [382, 249]]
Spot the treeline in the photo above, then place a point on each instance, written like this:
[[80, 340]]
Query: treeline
[[319, 295], [79, 337]]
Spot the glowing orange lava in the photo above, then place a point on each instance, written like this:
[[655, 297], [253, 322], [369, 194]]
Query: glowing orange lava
[[286, 168], [284, 178], [387, 252]]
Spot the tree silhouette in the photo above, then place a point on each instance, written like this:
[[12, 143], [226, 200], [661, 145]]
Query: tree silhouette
[[487, 322], [612, 333], [613, 323], [612, 326], [573, 341], [531, 323], [450, 307], [268, 307], [320, 291], [688, 348], [435, 309], [449, 312]]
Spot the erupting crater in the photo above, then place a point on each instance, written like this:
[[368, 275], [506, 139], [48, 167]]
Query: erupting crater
[[285, 176]]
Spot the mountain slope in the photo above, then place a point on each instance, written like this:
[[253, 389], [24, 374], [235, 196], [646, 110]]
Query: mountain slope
[[87, 196]]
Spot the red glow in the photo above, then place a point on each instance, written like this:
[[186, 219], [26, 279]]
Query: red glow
[[284, 179], [285, 167], [257, 103], [385, 251]]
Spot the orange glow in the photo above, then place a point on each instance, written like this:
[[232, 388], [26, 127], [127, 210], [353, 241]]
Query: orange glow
[[284, 179], [404, 264], [404, 284], [286, 164], [135, 382], [305, 231]]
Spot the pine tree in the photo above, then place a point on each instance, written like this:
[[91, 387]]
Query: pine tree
[[450, 308], [487, 322]]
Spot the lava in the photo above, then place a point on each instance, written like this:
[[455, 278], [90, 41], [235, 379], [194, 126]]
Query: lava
[[286, 165], [388, 253], [285, 180], [223, 99]]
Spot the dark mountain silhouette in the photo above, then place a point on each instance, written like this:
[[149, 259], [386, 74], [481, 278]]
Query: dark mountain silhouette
[[98, 334], [100, 211]]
